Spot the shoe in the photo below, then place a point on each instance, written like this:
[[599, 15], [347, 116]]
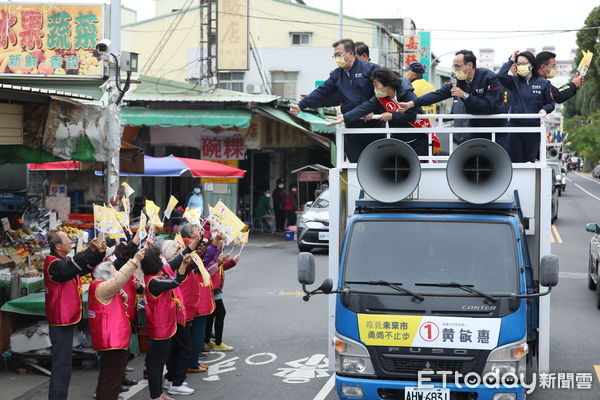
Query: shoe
[[210, 345], [182, 390], [166, 383], [203, 355], [201, 368], [222, 347], [129, 382], [129, 369]]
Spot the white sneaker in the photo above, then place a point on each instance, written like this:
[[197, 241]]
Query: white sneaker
[[167, 383], [182, 390]]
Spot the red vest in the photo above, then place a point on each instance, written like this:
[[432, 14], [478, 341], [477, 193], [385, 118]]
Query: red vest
[[161, 319], [191, 295], [109, 326], [131, 305], [218, 278], [178, 296], [63, 299], [206, 305]]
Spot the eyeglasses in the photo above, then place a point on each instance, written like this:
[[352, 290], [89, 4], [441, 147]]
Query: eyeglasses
[[458, 66], [338, 55]]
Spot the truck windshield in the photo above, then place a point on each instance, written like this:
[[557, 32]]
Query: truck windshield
[[482, 254]]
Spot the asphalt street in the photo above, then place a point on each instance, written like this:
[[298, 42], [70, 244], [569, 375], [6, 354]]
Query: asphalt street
[[281, 341]]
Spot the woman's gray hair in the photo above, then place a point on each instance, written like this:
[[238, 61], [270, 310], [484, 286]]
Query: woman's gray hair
[[169, 249], [103, 271]]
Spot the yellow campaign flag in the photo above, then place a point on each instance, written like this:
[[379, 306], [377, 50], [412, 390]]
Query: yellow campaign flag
[[192, 215], [126, 204], [225, 220], [196, 259], [584, 64], [244, 237], [155, 221], [127, 189], [179, 240], [151, 209], [171, 206], [123, 219], [98, 213], [142, 227]]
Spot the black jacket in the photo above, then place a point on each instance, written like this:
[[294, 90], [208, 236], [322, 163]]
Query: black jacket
[[564, 93], [81, 264]]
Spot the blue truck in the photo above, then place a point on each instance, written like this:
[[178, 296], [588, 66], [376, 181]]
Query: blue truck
[[441, 272]]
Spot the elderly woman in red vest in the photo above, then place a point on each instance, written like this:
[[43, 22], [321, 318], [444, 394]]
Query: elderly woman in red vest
[[109, 323], [63, 303], [161, 315]]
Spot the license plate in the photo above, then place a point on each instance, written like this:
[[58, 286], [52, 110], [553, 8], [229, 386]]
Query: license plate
[[414, 393], [323, 235]]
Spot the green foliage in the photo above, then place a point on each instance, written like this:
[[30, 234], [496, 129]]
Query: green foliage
[[584, 136]]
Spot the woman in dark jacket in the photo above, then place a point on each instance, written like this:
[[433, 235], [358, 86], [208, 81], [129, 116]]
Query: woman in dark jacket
[[528, 94], [388, 84]]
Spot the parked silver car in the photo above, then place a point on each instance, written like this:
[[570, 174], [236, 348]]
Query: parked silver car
[[313, 224]]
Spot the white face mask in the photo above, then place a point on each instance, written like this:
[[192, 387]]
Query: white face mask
[[280, 186], [380, 94], [268, 195], [197, 191]]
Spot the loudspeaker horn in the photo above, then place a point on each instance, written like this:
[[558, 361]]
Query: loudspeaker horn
[[552, 153], [388, 170], [479, 171]]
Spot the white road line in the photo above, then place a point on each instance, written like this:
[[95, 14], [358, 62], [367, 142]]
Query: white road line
[[326, 389], [588, 178], [596, 197], [133, 390]]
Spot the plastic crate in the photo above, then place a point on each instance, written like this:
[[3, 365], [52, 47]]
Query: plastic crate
[[82, 217], [289, 235]]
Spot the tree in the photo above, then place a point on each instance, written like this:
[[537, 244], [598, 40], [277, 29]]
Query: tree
[[583, 136]]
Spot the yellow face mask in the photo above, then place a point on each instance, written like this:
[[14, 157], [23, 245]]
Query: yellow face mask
[[339, 60], [523, 70], [552, 73], [460, 75]]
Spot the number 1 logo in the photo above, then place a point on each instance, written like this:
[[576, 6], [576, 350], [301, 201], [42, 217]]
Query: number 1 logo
[[429, 331]]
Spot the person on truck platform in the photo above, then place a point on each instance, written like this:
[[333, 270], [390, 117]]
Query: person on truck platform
[[529, 94], [546, 68], [389, 85], [351, 84], [477, 88]]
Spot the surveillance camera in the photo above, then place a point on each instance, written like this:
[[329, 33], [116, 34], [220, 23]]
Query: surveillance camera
[[103, 46]]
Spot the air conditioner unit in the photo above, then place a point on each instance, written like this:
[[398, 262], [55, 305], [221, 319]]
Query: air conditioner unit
[[253, 89]]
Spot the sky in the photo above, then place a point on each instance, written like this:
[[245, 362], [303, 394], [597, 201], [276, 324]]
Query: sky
[[477, 17]]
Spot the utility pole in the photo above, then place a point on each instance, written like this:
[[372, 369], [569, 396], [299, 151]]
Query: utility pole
[[113, 120], [341, 19]]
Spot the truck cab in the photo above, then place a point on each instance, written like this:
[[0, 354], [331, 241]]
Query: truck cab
[[439, 284]]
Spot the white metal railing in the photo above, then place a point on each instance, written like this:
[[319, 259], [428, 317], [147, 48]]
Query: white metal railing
[[438, 121]]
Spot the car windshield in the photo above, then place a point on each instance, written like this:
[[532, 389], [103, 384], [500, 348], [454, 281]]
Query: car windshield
[[322, 201], [481, 254]]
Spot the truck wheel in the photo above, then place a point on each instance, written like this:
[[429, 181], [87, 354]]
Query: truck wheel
[[598, 297], [591, 284]]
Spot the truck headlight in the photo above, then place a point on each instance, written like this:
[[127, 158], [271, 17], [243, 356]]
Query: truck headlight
[[351, 357], [306, 219], [508, 359]]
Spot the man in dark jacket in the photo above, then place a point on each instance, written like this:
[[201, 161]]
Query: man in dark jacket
[[279, 205], [477, 88], [546, 63], [351, 84], [61, 281]]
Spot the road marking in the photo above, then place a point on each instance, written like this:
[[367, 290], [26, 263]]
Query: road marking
[[552, 239], [326, 389], [597, 368], [558, 238], [272, 357], [596, 197], [573, 275], [588, 178], [135, 389]]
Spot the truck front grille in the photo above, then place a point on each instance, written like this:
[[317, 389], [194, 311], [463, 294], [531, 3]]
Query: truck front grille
[[413, 366]]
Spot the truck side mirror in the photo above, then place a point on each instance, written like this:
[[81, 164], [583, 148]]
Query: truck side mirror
[[326, 286], [549, 271], [306, 268], [592, 228], [308, 204]]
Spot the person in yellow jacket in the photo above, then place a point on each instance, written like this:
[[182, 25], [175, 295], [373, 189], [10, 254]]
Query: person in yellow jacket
[[414, 74]]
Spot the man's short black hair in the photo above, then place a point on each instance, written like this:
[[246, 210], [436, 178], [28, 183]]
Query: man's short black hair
[[348, 45], [54, 240], [361, 48], [544, 57], [469, 57], [386, 77], [151, 263]]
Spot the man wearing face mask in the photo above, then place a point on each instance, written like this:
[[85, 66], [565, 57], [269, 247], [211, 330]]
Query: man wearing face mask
[[196, 201], [477, 88], [546, 62], [279, 196], [351, 84]]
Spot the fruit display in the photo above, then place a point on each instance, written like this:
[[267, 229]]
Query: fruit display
[[86, 279]]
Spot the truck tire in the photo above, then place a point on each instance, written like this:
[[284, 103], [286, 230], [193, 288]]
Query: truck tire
[[591, 284], [303, 248], [598, 297]]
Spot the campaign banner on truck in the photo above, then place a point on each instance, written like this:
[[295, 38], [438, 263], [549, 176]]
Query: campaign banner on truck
[[426, 331], [51, 40]]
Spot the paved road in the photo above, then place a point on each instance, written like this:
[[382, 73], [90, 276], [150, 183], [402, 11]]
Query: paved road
[[281, 341]]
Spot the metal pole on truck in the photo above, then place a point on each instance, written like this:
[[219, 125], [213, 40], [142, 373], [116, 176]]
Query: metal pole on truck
[[341, 19]]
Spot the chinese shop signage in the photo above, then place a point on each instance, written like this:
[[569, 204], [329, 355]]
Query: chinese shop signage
[[55, 40]]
